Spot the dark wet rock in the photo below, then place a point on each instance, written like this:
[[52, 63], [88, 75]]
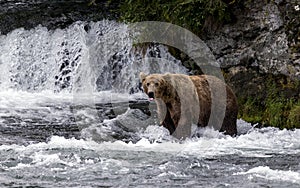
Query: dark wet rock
[[123, 127], [51, 14], [141, 104], [38, 125]]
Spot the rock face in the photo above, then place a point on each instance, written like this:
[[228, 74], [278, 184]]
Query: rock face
[[260, 55], [264, 37], [51, 14]]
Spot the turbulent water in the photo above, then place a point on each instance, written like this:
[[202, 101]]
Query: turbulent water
[[72, 115]]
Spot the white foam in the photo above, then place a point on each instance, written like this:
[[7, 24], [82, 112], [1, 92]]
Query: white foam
[[257, 143], [254, 144], [22, 99], [270, 174]]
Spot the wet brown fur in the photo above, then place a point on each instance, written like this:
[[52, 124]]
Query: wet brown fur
[[171, 92]]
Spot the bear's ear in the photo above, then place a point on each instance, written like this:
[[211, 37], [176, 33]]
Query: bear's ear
[[142, 76]]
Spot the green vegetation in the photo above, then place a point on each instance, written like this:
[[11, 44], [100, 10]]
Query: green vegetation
[[277, 108], [194, 15], [294, 116]]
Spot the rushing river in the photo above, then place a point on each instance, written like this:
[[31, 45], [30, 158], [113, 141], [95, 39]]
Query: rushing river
[[67, 120]]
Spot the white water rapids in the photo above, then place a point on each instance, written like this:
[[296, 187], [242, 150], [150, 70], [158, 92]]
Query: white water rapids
[[66, 120]]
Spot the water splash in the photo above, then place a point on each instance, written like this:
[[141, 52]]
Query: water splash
[[94, 56]]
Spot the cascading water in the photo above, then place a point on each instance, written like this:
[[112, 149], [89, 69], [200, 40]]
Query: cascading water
[[89, 70], [93, 56]]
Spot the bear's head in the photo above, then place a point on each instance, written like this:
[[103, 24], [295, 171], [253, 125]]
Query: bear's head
[[153, 85]]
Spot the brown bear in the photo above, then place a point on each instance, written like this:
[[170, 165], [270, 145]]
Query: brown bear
[[184, 100]]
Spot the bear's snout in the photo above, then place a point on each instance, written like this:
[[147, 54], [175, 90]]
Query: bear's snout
[[151, 95]]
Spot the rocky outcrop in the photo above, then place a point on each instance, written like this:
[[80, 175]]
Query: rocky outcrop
[[260, 55], [264, 37]]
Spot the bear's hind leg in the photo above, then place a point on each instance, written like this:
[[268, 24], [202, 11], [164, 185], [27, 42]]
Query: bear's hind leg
[[229, 125], [168, 123]]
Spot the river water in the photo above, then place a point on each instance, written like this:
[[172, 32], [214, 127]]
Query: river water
[[71, 115]]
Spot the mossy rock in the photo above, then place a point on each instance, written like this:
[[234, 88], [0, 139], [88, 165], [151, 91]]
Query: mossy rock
[[266, 99]]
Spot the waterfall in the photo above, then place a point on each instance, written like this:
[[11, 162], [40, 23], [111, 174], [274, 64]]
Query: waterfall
[[95, 56]]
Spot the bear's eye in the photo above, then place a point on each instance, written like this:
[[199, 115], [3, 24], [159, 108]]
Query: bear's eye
[[148, 84], [156, 84]]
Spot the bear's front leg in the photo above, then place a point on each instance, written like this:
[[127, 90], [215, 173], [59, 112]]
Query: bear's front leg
[[161, 110], [164, 116], [181, 118]]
